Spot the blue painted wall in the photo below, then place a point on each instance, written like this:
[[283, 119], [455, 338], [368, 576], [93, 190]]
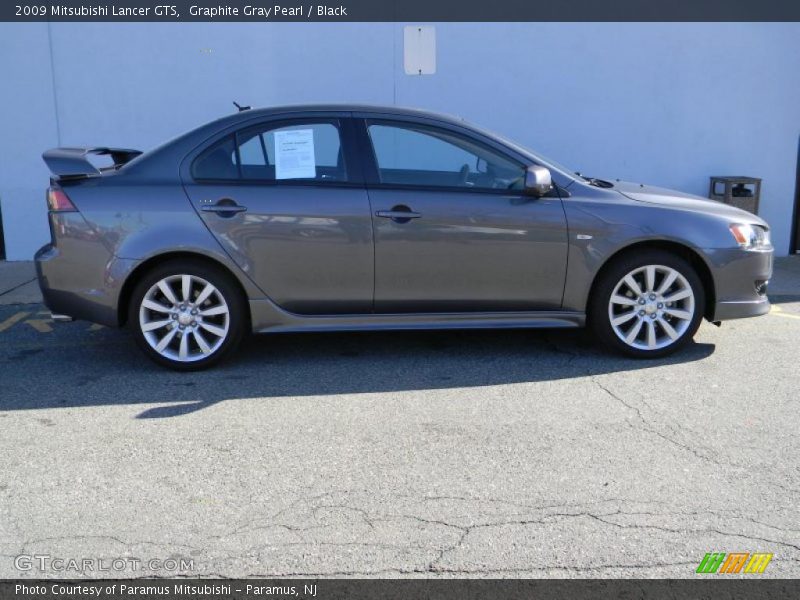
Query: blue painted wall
[[669, 104]]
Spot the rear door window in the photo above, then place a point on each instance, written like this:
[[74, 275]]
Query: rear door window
[[277, 152]]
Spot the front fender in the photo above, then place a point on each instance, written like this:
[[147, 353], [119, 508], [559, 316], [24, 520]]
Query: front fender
[[599, 230]]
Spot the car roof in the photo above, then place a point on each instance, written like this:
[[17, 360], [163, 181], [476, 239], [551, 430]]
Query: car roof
[[341, 107]]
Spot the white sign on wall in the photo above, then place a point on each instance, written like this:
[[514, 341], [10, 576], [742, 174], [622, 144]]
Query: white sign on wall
[[419, 49], [294, 154]]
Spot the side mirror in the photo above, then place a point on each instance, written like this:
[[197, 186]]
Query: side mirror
[[538, 181]]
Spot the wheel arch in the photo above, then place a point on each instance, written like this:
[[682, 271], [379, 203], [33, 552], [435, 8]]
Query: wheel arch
[[686, 252], [154, 261]]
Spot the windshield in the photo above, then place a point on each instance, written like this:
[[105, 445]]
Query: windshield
[[535, 156], [553, 165]]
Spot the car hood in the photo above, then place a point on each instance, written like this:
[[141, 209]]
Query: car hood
[[683, 201]]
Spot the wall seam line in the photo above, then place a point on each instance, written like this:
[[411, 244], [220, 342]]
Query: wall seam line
[[53, 83], [394, 63]]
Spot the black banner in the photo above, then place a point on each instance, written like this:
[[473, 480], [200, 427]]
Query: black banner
[[396, 589], [400, 10]]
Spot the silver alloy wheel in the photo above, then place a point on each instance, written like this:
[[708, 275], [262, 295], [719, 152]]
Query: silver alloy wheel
[[651, 307], [184, 318]]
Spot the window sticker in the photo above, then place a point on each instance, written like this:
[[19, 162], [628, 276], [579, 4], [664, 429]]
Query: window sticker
[[294, 154]]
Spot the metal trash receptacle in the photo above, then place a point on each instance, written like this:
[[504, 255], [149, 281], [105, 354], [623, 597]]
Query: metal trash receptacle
[[741, 192]]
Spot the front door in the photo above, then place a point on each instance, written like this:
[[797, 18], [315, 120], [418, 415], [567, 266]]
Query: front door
[[453, 230], [285, 200]]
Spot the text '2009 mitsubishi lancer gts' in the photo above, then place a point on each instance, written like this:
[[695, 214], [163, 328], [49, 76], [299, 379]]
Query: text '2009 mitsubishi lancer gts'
[[323, 218]]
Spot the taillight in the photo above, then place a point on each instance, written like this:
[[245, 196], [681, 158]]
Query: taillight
[[57, 200]]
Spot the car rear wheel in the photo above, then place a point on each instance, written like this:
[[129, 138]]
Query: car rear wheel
[[187, 315], [648, 304]]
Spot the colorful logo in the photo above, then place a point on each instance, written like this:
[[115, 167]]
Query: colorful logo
[[732, 563]]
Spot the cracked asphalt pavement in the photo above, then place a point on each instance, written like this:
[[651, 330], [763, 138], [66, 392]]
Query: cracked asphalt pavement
[[487, 454]]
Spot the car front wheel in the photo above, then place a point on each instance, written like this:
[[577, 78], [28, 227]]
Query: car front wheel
[[648, 305], [187, 315]]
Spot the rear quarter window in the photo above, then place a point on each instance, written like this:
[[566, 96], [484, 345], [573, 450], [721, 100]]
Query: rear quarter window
[[217, 162]]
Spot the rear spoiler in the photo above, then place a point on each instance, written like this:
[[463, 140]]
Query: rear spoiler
[[69, 163]]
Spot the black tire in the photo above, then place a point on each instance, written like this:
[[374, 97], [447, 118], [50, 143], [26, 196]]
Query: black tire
[[237, 318], [600, 320]]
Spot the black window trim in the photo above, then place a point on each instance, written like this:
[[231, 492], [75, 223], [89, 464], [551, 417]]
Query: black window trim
[[343, 124]]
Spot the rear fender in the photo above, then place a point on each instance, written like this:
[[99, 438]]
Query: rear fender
[[139, 222], [183, 238]]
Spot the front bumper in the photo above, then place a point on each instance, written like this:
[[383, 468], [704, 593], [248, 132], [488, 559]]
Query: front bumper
[[740, 278]]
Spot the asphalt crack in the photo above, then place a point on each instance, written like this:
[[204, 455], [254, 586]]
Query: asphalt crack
[[649, 426]]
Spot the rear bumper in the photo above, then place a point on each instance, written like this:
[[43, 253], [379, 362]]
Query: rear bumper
[[83, 287], [740, 284]]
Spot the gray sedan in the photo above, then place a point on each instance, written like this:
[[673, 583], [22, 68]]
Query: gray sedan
[[324, 218]]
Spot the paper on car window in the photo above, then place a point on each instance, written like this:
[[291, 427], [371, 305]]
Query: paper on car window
[[294, 154]]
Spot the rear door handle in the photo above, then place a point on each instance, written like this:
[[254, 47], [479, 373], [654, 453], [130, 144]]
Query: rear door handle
[[398, 214], [224, 208]]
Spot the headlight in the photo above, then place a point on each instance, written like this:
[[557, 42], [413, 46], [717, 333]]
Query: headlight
[[751, 237]]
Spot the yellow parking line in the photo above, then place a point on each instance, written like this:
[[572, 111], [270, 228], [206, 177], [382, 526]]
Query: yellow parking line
[[779, 312], [40, 325], [12, 319]]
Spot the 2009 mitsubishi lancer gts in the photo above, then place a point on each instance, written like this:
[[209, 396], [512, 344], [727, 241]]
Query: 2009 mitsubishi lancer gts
[[322, 218]]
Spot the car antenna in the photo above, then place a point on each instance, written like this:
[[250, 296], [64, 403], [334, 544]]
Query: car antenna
[[240, 107]]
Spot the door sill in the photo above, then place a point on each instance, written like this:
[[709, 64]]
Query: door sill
[[287, 322]]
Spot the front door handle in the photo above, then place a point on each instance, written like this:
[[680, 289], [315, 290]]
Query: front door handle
[[399, 214], [224, 208]]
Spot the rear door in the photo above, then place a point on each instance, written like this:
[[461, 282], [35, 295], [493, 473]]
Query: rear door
[[454, 231], [287, 201]]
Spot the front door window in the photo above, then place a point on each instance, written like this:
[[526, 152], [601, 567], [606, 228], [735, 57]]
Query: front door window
[[418, 155]]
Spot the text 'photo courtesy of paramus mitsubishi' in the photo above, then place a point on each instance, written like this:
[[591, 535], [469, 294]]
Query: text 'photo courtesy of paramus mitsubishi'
[[332, 218]]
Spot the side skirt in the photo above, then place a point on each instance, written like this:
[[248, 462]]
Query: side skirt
[[267, 318]]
